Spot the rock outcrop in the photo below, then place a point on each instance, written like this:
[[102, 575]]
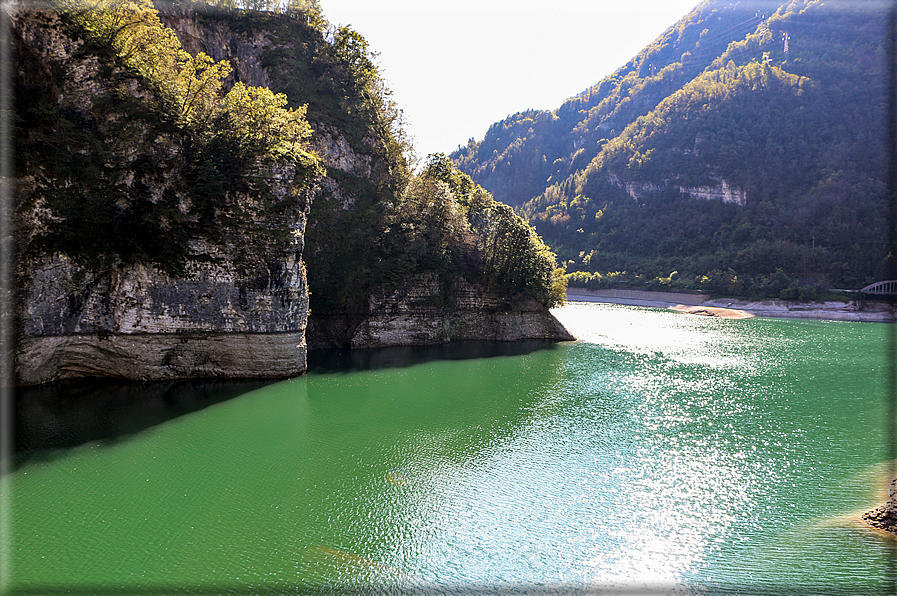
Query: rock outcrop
[[228, 297], [884, 517], [720, 190], [416, 314], [236, 307]]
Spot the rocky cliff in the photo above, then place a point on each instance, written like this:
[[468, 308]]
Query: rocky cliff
[[232, 303], [413, 315], [150, 251], [418, 310]]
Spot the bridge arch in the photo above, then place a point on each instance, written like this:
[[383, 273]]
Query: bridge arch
[[882, 288]]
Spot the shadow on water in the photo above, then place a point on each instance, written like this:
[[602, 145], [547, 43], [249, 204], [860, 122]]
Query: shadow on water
[[345, 360], [58, 416], [61, 415]]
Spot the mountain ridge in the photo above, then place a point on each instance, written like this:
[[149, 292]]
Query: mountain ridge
[[793, 140]]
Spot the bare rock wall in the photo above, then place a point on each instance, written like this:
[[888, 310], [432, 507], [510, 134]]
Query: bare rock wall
[[416, 314]]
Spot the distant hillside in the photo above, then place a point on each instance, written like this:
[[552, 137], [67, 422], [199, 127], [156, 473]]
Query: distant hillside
[[714, 154]]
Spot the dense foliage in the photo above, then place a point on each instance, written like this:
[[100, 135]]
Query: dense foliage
[[441, 224], [156, 155], [609, 178], [446, 223]]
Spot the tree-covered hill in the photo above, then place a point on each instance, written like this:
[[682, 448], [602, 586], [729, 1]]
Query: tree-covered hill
[[714, 154]]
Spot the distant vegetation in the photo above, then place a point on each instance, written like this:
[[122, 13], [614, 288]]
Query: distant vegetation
[[607, 177]]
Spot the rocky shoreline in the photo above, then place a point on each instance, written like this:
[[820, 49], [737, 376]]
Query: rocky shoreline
[[884, 517]]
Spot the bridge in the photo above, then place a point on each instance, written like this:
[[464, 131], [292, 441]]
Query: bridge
[[881, 288]]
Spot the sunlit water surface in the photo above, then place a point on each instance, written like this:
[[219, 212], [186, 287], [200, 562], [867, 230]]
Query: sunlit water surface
[[662, 451]]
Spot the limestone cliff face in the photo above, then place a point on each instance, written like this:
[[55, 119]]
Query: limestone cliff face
[[238, 307], [218, 40], [720, 190], [137, 323], [414, 314]]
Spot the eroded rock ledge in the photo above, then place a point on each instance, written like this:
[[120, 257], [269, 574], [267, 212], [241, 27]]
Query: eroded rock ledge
[[418, 314], [138, 323], [161, 356]]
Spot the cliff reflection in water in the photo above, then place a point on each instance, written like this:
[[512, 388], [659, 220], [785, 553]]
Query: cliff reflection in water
[[71, 413], [340, 360]]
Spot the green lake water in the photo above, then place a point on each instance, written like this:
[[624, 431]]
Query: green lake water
[[662, 452]]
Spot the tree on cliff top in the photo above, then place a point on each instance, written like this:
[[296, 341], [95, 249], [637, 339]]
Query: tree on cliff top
[[451, 225], [94, 167]]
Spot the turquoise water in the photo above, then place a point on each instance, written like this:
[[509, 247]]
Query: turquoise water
[[662, 451]]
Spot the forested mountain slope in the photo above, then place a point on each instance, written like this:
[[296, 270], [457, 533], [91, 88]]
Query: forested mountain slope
[[714, 153]]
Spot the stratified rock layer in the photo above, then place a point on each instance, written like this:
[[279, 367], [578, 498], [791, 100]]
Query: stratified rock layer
[[416, 314], [137, 323], [161, 356]]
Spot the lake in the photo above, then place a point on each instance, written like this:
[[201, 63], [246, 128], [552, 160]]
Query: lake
[[662, 452]]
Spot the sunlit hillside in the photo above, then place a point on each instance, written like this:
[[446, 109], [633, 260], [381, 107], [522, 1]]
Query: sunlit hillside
[[743, 150]]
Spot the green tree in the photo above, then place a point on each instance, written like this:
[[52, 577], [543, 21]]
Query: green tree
[[261, 121]]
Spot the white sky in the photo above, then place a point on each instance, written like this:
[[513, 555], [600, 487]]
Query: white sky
[[457, 67]]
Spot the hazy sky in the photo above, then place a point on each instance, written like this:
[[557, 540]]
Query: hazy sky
[[457, 67]]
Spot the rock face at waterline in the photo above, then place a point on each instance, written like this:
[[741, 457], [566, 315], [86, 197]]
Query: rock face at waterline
[[884, 517], [148, 250], [411, 315], [138, 323]]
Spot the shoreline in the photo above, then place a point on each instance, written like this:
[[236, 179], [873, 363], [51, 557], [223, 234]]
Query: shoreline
[[873, 312], [713, 311]]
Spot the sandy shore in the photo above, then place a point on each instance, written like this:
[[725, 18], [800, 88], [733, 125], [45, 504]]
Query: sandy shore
[[712, 311], [633, 297], [828, 311]]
